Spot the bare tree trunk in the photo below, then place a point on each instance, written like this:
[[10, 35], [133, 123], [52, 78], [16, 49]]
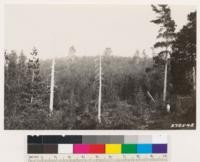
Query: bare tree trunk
[[194, 78], [52, 86], [100, 86], [165, 75], [165, 82]]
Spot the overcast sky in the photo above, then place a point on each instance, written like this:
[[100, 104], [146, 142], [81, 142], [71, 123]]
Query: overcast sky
[[89, 28]]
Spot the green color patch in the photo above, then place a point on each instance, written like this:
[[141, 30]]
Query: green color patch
[[129, 148]]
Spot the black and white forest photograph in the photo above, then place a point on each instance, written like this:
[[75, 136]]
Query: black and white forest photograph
[[100, 67]]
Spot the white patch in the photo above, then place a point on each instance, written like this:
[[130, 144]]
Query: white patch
[[168, 107]]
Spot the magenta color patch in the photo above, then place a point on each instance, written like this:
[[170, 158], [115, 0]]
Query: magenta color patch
[[81, 148]]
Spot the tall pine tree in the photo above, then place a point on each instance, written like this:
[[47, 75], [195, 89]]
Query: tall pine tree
[[166, 36], [11, 91], [21, 79], [35, 93], [183, 64]]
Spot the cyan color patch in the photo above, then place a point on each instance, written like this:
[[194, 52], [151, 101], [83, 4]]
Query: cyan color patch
[[144, 148]]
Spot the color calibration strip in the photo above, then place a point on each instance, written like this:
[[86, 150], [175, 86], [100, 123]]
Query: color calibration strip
[[142, 144], [97, 158]]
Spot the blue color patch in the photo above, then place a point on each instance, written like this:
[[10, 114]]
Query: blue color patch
[[144, 148]]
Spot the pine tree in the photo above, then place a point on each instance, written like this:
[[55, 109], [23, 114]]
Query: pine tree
[[183, 64], [71, 54], [167, 36], [33, 73], [22, 69], [35, 93], [11, 91], [108, 51], [136, 57], [144, 58], [107, 64]]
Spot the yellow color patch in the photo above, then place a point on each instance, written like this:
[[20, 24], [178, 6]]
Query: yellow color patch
[[113, 149]]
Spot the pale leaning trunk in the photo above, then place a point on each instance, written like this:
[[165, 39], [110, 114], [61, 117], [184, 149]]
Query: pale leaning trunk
[[52, 86], [100, 85], [149, 94]]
